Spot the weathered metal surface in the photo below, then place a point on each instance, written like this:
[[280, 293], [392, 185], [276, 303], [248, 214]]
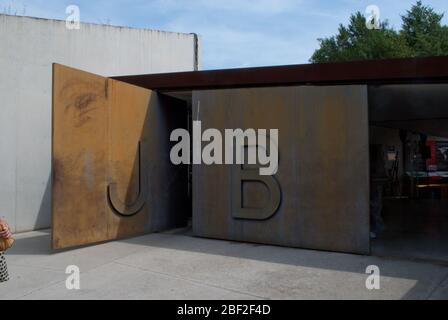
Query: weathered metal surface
[[111, 172], [411, 70], [322, 175]]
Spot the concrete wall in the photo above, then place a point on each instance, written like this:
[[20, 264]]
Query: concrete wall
[[29, 46]]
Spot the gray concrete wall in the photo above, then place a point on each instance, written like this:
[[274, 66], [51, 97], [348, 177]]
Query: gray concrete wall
[[29, 46]]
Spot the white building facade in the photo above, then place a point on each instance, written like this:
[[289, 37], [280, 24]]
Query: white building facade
[[28, 47]]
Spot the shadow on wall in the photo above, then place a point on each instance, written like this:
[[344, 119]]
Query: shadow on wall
[[43, 219], [165, 185]]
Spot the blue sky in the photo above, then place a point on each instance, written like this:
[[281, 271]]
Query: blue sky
[[235, 33]]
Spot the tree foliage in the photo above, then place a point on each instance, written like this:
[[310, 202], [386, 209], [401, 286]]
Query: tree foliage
[[422, 34]]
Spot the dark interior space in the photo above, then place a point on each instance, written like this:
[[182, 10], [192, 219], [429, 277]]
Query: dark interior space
[[185, 113], [409, 171]]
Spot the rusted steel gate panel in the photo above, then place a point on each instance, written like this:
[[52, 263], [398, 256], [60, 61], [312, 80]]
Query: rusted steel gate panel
[[322, 174], [373, 72], [111, 172]]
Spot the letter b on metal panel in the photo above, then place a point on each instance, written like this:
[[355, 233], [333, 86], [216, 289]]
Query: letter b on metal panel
[[240, 175]]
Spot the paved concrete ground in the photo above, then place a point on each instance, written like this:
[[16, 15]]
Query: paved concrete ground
[[175, 265]]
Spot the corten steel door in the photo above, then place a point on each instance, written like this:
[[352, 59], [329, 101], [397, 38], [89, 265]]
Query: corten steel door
[[112, 177], [319, 197]]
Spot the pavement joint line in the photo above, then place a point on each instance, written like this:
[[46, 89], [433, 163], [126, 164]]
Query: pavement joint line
[[56, 282], [437, 286], [193, 281], [35, 267], [51, 284], [435, 262]]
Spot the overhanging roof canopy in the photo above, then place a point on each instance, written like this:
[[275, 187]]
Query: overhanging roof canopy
[[393, 71]]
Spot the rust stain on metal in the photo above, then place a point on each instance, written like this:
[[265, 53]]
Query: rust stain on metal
[[106, 89], [83, 101], [322, 174], [409, 70], [97, 128]]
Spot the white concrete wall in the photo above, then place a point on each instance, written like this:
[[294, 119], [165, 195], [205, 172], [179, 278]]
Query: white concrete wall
[[28, 47]]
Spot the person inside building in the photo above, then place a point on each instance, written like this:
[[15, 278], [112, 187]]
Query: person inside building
[[378, 178]]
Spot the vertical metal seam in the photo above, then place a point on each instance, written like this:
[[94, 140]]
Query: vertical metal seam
[[195, 52], [108, 151]]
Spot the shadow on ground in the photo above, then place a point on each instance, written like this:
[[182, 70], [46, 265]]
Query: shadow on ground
[[38, 244], [403, 269]]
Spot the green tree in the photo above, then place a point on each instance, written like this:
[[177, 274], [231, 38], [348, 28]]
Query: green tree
[[423, 31], [422, 34]]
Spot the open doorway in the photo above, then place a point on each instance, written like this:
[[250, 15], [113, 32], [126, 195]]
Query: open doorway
[[408, 136], [185, 113]]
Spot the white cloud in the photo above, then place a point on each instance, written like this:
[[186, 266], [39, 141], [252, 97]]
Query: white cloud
[[268, 7]]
